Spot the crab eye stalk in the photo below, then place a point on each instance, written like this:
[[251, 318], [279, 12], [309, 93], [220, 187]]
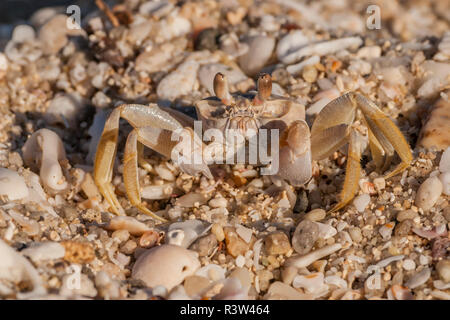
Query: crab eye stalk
[[221, 88], [264, 87]]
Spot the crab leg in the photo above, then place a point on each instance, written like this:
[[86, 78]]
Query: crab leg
[[353, 170], [140, 117], [130, 175], [104, 161], [386, 133]]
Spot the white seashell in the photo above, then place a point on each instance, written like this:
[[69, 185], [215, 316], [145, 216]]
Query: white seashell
[[178, 293], [178, 83], [429, 192], [14, 267], [43, 151], [444, 164], [291, 43], [317, 106], [64, 109], [441, 285], [133, 226], [12, 185], [361, 202], [166, 265], [41, 251], [259, 52], [419, 278], [323, 48], [212, 272], [207, 73]]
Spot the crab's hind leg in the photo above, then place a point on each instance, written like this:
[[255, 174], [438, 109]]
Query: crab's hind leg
[[386, 132], [130, 175], [104, 161], [353, 170]]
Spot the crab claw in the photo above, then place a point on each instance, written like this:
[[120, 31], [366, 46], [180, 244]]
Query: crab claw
[[221, 88], [295, 154], [264, 86]]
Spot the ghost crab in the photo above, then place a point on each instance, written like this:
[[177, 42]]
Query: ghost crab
[[348, 119]]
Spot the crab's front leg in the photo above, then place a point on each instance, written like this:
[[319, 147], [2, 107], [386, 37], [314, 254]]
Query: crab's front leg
[[153, 127]]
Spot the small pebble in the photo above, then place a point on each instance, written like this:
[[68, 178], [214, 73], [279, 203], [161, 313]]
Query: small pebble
[[404, 228], [355, 234], [361, 202], [315, 215], [166, 265], [235, 245], [205, 245], [41, 251], [443, 269], [429, 192], [409, 265], [217, 230], [12, 185], [277, 243], [305, 235], [419, 278]]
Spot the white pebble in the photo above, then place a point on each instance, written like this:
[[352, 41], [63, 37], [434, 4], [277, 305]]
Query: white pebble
[[244, 233], [212, 272], [409, 265], [166, 265], [361, 202], [12, 185], [240, 261], [429, 192], [386, 230], [444, 164], [445, 180]]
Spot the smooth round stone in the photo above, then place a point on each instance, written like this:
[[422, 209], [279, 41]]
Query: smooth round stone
[[443, 269], [12, 185], [429, 192], [259, 52], [361, 202], [409, 265], [305, 235], [316, 215], [166, 265], [193, 285]]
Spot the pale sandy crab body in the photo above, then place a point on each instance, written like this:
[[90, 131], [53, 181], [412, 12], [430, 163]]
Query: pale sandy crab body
[[351, 119]]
